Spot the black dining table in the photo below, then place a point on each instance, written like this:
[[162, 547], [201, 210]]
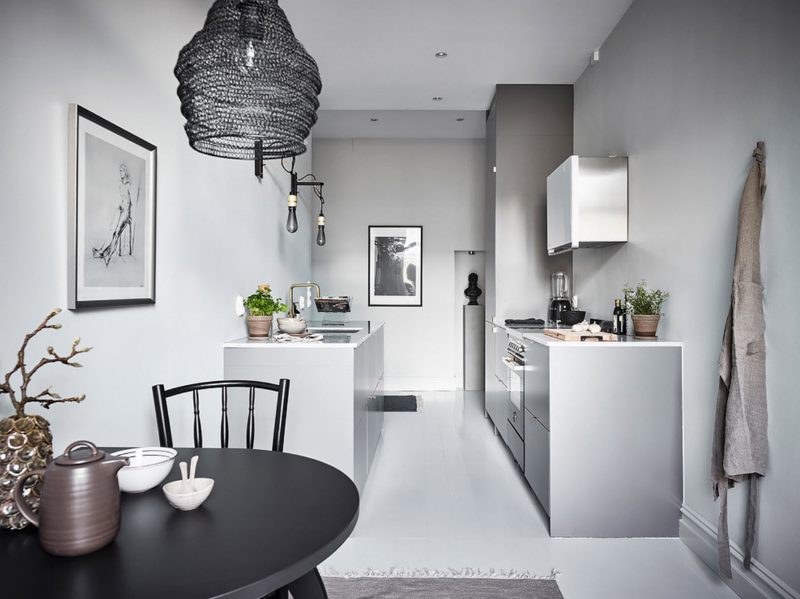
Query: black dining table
[[270, 520]]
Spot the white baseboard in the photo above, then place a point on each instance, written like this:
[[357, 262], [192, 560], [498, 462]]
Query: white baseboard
[[700, 536], [408, 383]]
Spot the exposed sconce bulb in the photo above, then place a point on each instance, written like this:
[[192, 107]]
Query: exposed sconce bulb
[[321, 230], [291, 221]]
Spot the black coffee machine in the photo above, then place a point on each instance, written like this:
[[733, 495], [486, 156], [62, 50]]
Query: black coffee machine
[[559, 302]]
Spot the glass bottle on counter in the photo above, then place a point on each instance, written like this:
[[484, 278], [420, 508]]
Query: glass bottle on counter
[[618, 318], [624, 318]]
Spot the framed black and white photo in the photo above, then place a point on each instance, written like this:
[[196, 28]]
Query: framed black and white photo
[[395, 266], [112, 214]]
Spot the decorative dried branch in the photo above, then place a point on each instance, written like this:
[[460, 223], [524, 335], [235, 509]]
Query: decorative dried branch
[[47, 397]]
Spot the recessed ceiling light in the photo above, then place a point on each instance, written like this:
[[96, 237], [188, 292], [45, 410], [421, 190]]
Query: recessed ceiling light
[[437, 98], [373, 120], [460, 119], [441, 55]]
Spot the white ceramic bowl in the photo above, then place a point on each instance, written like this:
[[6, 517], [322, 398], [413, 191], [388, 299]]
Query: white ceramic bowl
[[293, 326], [191, 499], [147, 467]]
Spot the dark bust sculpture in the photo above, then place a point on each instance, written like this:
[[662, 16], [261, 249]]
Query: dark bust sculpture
[[473, 292]]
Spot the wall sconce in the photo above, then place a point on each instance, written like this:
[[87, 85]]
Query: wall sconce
[[321, 220], [316, 186]]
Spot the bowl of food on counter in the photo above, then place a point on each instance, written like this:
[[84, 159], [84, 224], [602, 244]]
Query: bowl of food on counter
[[292, 326], [571, 317]]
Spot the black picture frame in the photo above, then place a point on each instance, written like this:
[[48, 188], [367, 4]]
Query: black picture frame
[[111, 214], [394, 281]]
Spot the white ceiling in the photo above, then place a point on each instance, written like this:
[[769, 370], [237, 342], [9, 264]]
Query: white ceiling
[[401, 124], [379, 54]]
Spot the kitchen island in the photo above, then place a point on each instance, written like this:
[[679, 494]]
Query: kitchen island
[[335, 409]]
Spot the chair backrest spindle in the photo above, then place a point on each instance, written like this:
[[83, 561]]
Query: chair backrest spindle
[[280, 423], [224, 429], [198, 426], [251, 423]]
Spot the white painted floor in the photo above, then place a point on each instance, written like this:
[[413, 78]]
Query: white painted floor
[[444, 493]]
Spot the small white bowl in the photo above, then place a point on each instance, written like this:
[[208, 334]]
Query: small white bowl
[[293, 326], [192, 499], [147, 467]]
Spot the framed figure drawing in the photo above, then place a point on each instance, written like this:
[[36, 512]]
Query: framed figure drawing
[[395, 266], [112, 214]]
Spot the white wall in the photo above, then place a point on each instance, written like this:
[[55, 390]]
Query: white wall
[[220, 232], [686, 89], [434, 183]]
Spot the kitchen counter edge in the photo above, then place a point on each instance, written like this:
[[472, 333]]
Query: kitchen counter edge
[[543, 339], [368, 328]]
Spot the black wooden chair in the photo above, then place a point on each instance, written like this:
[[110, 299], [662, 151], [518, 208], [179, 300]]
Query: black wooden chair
[[160, 396]]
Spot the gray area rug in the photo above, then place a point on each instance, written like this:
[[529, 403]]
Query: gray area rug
[[441, 588], [400, 403]]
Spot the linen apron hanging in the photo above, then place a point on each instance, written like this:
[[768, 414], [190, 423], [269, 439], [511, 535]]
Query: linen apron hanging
[[739, 450]]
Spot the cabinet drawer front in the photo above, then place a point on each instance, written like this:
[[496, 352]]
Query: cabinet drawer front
[[500, 352], [537, 382], [516, 445], [537, 459]]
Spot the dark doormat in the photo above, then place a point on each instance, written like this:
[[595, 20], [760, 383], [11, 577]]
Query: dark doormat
[[400, 403]]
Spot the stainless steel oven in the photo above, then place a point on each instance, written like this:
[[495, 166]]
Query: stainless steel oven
[[515, 412]]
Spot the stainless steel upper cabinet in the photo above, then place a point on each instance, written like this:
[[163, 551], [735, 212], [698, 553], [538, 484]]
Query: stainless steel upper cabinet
[[587, 203]]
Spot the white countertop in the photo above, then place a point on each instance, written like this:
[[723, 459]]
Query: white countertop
[[543, 339], [331, 338]]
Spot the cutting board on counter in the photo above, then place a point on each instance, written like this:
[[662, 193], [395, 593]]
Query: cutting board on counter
[[570, 335]]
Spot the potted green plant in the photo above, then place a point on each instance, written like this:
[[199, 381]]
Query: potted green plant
[[26, 442], [260, 308], [645, 307]]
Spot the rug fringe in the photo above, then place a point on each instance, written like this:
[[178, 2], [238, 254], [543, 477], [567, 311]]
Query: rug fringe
[[328, 571]]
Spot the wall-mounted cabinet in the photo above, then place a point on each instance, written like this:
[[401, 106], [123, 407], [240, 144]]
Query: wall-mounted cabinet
[[587, 203]]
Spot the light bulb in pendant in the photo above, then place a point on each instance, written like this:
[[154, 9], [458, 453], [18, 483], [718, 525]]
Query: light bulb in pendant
[[291, 220], [321, 230], [250, 54]]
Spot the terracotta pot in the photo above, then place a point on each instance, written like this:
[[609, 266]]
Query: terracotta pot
[[259, 327], [645, 325], [26, 444]]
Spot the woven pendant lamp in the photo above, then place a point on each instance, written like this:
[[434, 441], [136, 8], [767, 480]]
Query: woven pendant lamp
[[243, 79]]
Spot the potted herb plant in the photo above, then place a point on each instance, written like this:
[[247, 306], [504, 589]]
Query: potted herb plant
[[26, 442], [645, 306], [260, 308]]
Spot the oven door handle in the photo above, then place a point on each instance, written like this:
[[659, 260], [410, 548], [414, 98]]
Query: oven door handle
[[512, 365]]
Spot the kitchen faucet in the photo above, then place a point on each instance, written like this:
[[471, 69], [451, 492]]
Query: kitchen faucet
[[292, 313]]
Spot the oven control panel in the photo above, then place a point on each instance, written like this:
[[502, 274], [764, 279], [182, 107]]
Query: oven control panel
[[516, 347]]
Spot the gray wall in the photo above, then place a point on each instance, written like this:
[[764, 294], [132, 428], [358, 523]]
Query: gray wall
[[686, 89], [434, 183], [220, 232], [534, 133]]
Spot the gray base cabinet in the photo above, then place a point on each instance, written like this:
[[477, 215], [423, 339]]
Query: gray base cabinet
[[603, 438], [496, 393]]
